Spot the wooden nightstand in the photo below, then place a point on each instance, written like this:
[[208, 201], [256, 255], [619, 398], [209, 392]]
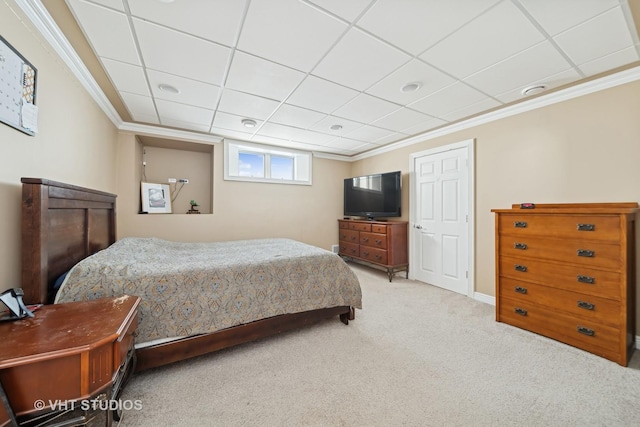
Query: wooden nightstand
[[67, 354]]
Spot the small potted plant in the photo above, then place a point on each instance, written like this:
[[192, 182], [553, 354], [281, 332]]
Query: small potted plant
[[194, 207]]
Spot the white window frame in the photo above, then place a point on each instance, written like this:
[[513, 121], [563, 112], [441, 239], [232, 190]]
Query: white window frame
[[302, 162]]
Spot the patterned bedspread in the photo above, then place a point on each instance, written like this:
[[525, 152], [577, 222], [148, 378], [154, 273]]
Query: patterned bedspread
[[195, 288]]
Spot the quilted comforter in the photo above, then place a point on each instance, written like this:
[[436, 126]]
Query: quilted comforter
[[196, 288]]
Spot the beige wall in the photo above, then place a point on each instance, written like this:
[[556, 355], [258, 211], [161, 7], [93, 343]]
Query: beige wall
[[582, 150], [241, 210], [76, 142]]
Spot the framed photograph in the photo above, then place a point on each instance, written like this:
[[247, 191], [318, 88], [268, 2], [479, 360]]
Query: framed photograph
[[156, 198]]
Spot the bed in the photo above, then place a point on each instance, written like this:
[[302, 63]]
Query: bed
[[271, 285]]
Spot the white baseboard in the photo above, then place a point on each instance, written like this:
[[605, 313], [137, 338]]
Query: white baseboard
[[487, 299]]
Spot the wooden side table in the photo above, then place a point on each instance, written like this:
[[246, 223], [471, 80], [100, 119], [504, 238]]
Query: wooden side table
[[67, 353]]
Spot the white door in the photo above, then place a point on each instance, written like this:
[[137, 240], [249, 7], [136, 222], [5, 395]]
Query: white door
[[439, 226]]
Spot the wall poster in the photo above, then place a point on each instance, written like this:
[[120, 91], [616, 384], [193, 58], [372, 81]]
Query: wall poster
[[17, 90]]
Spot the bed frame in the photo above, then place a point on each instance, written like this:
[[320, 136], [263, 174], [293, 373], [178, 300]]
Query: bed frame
[[63, 224]]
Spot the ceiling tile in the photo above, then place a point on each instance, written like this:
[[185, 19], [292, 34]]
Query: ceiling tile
[[108, 31], [393, 137], [275, 130], [114, 4], [227, 133], [289, 32], [557, 16], [533, 64], [416, 71], [296, 116], [366, 108], [246, 105], [231, 122], [321, 95], [369, 133], [425, 126], [216, 21], [401, 119], [192, 92], [587, 41], [551, 82], [348, 10], [608, 62], [139, 106], [492, 37], [325, 124], [177, 53], [126, 77], [264, 78], [422, 23], [346, 143], [311, 137], [359, 60], [185, 125], [449, 99], [471, 109], [184, 113]]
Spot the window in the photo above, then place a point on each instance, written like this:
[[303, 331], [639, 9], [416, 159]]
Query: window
[[247, 161]]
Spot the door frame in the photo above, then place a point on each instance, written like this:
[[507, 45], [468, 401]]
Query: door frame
[[469, 145]]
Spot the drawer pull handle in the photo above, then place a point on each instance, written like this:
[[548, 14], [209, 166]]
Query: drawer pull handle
[[353, 237], [522, 246], [520, 224], [521, 311], [522, 268], [365, 239], [378, 241], [520, 290], [586, 305], [586, 227], [586, 279], [586, 253], [378, 256], [586, 331], [365, 253]]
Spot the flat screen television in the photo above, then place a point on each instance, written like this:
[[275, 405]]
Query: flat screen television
[[373, 196]]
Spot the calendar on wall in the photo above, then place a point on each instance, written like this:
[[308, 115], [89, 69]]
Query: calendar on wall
[[17, 90]]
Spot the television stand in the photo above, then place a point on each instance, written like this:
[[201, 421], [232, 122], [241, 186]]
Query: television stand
[[378, 243]]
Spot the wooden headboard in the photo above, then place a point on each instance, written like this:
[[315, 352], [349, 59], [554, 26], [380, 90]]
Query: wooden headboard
[[61, 225]]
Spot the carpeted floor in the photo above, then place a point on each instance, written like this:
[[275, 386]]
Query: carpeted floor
[[416, 355]]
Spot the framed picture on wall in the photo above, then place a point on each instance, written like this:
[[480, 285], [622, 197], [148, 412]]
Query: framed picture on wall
[[156, 198]]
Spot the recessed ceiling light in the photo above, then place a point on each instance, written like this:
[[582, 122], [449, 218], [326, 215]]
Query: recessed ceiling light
[[336, 127], [534, 90], [168, 88], [248, 123], [411, 87]]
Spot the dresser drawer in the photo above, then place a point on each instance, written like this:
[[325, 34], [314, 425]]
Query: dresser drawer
[[349, 249], [360, 226], [598, 309], [604, 228], [591, 254], [351, 236], [377, 228], [374, 239], [373, 254], [563, 276], [343, 224], [585, 334]]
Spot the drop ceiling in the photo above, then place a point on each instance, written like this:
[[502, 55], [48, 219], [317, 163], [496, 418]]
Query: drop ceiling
[[330, 75]]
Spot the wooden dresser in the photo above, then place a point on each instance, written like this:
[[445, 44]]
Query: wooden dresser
[[381, 243], [567, 271]]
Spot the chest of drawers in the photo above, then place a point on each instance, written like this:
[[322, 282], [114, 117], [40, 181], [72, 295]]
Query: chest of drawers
[[381, 243], [567, 271]]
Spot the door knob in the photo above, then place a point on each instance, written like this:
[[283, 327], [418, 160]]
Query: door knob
[[418, 227]]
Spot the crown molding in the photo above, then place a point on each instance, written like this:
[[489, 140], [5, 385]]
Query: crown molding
[[607, 82], [44, 23], [177, 134]]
